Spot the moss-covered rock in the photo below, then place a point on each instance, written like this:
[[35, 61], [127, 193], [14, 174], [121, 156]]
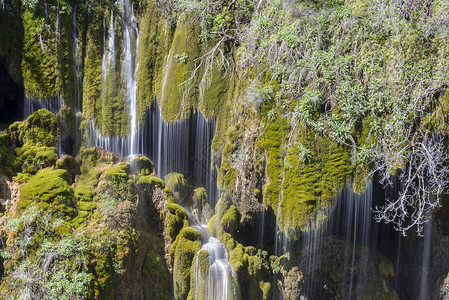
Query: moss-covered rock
[[118, 171], [50, 188], [181, 190], [176, 219], [188, 245], [69, 164], [231, 220], [142, 165], [40, 129]]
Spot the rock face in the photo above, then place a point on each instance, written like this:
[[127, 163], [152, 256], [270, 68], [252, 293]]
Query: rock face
[[9, 193], [302, 108]]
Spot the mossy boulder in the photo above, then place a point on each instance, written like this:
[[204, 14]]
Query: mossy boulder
[[50, 188], [141, 165], [40, 129], [117, 171], [188, 245], [181, 191], [176, 219], [230, 220], [69, 164]]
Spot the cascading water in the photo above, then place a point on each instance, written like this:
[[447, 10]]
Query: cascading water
[[350, 219], [31, 105], [182, 146], [130, 66], [218, 281]]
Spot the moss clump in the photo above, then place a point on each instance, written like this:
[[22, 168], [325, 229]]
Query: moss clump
[[230, 220], [31, 158], [50, 188], [142, 165], [69, 164], [151, 180], [181, 191], [117, 171], [176, 219], [189, 243], [40, 129]]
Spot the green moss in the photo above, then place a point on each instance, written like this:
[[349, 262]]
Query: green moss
[[7, 156], [151, 180], [40, 67], [117, 171], [69, 164], [200, 195], [212, 225], [88, 159], [92, 72], [149, 41], [142, 165], [230, 220], [189, 243], [84, 192], [181, 191], [214, 96], [32, 158], [308, 186], [49, 187], [40, 129], [156, 277], [176, 219], [200, 291], [185, 40]]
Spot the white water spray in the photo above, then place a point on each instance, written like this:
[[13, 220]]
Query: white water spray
[[130, 67], [219, 282]]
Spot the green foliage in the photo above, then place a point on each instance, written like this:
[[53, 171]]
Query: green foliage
[[117, 189], [181, 57]]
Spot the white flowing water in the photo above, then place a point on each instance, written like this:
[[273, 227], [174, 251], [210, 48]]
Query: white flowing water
[[130, 66], [219, 280], [350, 218], [31, 105]]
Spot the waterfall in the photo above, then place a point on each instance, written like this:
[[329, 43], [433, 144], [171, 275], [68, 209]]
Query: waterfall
[[130, 67], [425, 269], [31, 105], [349, 219], [183, 147], [219, 280]]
